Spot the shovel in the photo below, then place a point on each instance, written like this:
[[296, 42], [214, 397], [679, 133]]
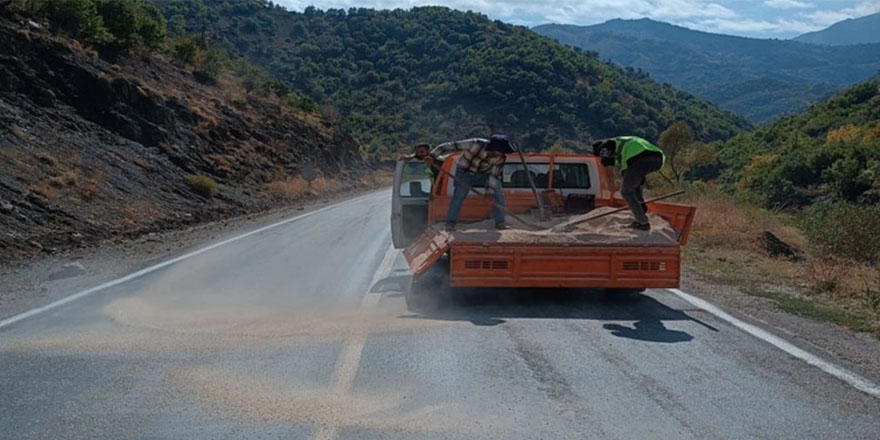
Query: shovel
[[473, 190], [569, 226]]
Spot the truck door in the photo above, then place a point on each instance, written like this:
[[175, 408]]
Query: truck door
[[409, 202]]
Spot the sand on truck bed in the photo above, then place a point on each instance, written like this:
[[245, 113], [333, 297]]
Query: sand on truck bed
[[613, 228]]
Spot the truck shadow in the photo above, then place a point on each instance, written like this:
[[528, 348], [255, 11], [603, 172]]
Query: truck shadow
[[490, 307]]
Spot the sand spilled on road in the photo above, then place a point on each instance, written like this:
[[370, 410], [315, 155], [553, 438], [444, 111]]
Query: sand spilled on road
[[154, 323], [311, 323], [268, 399]]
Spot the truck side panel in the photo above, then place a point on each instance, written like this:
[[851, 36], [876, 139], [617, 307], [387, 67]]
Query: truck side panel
[[516, 265]]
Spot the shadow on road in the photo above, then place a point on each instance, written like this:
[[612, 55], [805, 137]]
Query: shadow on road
[[488, 307]]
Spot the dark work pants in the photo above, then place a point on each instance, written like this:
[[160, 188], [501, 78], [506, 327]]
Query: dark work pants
[[633, 180]]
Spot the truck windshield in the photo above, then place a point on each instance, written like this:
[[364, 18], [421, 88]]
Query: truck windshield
[[415, 181]]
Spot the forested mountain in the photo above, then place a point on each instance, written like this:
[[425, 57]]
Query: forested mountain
[[431, 74], [850, 31], [761, 79], [832, 152]]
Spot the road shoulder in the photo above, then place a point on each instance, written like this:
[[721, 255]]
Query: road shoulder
[[858, 352]]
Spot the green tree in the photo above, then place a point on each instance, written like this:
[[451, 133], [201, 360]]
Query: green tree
[[177, 25], [121, 19], [683, 153], [151, 27], [132, 23], [79, 18]]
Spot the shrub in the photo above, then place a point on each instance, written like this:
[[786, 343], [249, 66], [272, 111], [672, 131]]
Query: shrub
[[214, 62], [301, 102], [202, 185], [186, 51], [844, 230]]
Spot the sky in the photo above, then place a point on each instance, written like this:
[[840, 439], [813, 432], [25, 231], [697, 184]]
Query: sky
[[750, 18]]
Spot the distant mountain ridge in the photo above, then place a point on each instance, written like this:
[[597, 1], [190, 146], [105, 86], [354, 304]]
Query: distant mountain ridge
[[430, 74], [862, 30], [771, 78]]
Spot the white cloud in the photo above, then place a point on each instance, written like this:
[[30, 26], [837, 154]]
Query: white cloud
[[746, 26], [787, 4], [825, 18], [754, 17], [560, 11]]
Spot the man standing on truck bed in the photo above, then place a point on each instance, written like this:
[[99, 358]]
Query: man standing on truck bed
[[637, 158], [480, 164]]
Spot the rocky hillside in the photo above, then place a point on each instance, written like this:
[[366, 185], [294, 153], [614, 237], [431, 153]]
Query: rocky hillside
[[92, 149]]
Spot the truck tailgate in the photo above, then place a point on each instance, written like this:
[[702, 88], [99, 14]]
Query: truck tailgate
[[558, 265], [426, 250]]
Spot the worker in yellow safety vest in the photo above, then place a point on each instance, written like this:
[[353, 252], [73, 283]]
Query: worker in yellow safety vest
[[637, 158]]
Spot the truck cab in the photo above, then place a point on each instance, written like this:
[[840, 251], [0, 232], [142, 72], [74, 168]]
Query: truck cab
[[570, 180]]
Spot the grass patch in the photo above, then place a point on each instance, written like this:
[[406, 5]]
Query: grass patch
[[91, 186], [47, 159], [291, 188], [724, 249], [809, 308], [45, 191], [66, 179], [202, 185], [17, 131]]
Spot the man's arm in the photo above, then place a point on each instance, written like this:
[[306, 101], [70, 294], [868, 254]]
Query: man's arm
[[449, 147]]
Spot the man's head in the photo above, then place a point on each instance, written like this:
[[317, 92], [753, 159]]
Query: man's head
[[606, 149], [498, 146], [422, 150]]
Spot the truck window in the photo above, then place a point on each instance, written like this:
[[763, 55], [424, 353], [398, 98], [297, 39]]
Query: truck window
[[515, 176], [571, 176], [414, 181]]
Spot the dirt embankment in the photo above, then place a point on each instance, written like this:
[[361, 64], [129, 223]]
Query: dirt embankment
[[92, 150]]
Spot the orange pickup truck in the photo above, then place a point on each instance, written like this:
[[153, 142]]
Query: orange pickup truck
[[571, 185]]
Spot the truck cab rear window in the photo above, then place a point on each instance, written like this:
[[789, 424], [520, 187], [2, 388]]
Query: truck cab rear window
[[571, 176], [565, 175]]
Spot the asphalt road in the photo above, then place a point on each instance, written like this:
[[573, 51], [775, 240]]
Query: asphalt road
[[303, 331]]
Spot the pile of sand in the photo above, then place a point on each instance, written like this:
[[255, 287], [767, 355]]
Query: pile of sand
[[613, 228]]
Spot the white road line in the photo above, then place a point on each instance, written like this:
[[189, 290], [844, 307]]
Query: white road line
[[16, 318], [856, 381], [350, 358]]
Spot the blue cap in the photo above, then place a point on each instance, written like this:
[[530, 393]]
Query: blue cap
[[499, 142]]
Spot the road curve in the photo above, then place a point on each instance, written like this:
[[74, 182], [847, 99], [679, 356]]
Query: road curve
[[304, 331]]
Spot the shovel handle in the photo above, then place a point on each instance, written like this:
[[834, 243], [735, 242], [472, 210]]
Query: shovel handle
[[613, 211]]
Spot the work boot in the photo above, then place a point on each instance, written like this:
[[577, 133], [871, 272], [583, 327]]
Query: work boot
[[450, 226], [502, 225], [640, 226]]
